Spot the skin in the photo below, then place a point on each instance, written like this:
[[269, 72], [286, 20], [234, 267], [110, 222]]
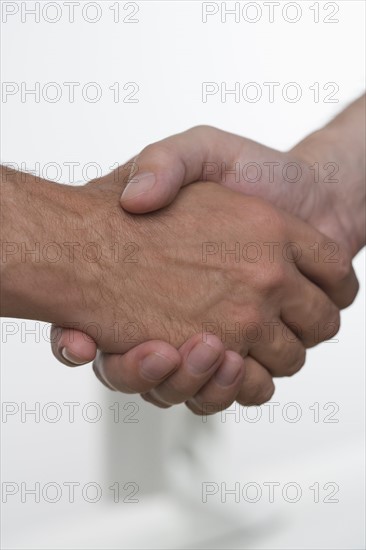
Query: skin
[[331, 201], [171, 292]]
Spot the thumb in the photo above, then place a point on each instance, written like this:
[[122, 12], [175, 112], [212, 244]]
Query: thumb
[[162, 168]]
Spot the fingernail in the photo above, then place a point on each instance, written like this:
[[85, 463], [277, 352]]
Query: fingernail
[[155, 366], [139, 184], [202, 357], [227, 373], [71, 358]]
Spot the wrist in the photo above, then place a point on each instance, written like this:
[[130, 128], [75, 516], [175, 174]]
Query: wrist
[[38, 274], [335, 179]]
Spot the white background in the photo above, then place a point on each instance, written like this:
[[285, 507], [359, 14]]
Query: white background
[[169, 52]]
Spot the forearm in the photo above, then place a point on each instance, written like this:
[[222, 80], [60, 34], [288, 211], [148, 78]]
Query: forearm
[[342, 142], [34, 268]]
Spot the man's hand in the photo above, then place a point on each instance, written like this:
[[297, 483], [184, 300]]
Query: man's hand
[[218, 262], [319, 181]]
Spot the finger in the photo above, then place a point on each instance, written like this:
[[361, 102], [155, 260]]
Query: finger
[[201, 357], [257, 386], [164, 167], [279, 350], [325, 262], [140, 369], [308, 312], [222, 388], [72, 347]]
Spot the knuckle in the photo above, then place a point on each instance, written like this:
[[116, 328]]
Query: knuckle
[[332, 316], [332, 326], [266, 215], [345, 281], [261, 393], [264, 394], [275, 277], [297, 363], [270, 278], [342, 267], [352, 292], [324, 329], [274, 219], [159, 150], [165, 154], [202, 129]]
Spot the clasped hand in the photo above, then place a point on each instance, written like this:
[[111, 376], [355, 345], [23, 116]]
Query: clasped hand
[[226, 293]]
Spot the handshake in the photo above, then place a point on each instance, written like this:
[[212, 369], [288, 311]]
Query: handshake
[[186, 290]]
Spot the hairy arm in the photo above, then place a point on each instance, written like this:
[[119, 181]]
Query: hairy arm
[[34, 216]]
